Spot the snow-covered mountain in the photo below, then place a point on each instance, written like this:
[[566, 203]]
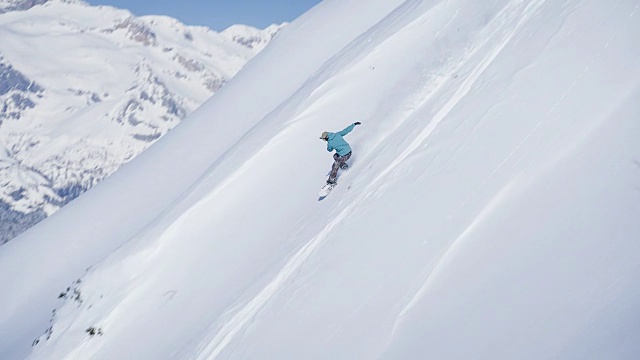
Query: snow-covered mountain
[[84, 89], [490, 212]]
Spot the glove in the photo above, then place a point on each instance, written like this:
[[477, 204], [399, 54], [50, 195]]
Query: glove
[[357, 123]]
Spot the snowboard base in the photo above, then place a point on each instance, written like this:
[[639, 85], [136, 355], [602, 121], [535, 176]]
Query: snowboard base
[[326, 189]]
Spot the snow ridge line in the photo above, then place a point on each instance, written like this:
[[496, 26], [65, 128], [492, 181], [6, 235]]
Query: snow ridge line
[[502, 18], [210, 349], [546, 116], [530, 10], [251, 309]]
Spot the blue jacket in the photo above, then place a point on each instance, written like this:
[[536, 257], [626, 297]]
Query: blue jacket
[[336, 141]]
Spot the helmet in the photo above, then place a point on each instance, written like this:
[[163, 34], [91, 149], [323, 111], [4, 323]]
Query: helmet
[[324, 136]]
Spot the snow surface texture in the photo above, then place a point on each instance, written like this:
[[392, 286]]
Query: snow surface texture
[[84, 89], [491, 211]]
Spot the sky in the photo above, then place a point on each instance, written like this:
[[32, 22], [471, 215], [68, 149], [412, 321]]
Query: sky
[[218, 14]]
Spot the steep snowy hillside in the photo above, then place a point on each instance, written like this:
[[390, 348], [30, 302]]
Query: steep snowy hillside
[[85, 89], [491, 210]]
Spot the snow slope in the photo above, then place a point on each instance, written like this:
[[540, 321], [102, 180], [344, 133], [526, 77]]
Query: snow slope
[[84, 89], [490, 212]]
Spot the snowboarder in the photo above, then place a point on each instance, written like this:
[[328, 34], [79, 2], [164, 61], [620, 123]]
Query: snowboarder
[[335, 141]]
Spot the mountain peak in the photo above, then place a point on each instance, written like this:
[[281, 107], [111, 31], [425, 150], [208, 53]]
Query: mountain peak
[[115, 82], [250, 36], [22, 5]]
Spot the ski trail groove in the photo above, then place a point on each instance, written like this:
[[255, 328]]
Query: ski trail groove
[[469, 81], [238, 322], [530, 10], [542, 119]]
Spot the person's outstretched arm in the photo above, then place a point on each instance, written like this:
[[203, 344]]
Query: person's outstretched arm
[[348, 129]]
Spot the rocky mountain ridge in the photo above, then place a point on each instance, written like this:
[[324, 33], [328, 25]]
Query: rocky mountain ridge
[[84, 89]]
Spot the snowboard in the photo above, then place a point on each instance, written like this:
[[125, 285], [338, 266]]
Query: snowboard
[[326, 189]]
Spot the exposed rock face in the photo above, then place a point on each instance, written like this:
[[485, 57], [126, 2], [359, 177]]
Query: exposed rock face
[[19, 5]]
